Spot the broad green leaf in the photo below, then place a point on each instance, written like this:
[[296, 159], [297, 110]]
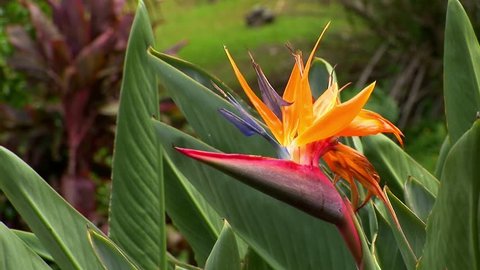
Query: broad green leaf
[[319, 76], [409, 239], [192, 216], [386, 248], [60, 228], [197, 74], [192, 71], [200, 107], [32, 242], [461, 63], [395, 166], [418, 198], [137, 220], [15, 254], [225, 252], [272, 228], [446, 146], [109, 254], [453, 226], [253, 261]]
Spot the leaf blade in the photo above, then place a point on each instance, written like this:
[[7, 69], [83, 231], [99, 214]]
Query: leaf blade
[[16, 254], [452, 229], [47, 214], [462, 71], [137, 185], [224, 254]]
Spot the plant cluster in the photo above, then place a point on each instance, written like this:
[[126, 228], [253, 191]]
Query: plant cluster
[[317, 205]]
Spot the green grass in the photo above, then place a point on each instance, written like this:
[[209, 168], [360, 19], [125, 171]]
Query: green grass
[[208, 27]]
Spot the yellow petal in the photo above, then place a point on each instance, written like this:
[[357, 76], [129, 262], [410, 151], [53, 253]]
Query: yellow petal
[[272, 121], [326, 101], [336, 119], [370, 123]]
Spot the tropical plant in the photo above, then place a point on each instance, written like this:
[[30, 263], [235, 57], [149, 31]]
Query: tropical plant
[[283, 217], [77, 58]]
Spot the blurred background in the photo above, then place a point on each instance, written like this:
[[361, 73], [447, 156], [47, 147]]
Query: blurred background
[[61, 67]]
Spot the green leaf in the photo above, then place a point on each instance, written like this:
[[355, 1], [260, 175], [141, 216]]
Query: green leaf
[[190, 213], [137, 220], [446, 146], [272, 228], [15, 254], [252, 261], [418, 198], [461, 70], [200, 107], [197, 74], [395, 166], [319, 76], [32, 242], [225, 252], [109, 254], [60, 228], [368, 260], [453, 226], [386, 247], [409, 239]]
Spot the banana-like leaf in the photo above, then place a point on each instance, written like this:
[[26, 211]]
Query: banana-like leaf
[[461, 63], [190, 213], [33, 243], [225, 252], [409, 239], [15, 254], [58, 226], [272, 228], [386, 248], [452, 228], [137, 219], [418, 198], [109, 254], [395, 166]]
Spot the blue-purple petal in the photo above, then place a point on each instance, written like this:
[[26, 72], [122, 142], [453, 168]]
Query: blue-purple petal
[[241, 124], [269, 96]]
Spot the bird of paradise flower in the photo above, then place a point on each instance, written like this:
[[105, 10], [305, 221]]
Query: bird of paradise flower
[[304, 131]]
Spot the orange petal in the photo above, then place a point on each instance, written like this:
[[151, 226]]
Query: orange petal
[[370, 123], [336, 119], [350, 164], [312, 54], [290, 113], [303, 96], [274, 124]]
